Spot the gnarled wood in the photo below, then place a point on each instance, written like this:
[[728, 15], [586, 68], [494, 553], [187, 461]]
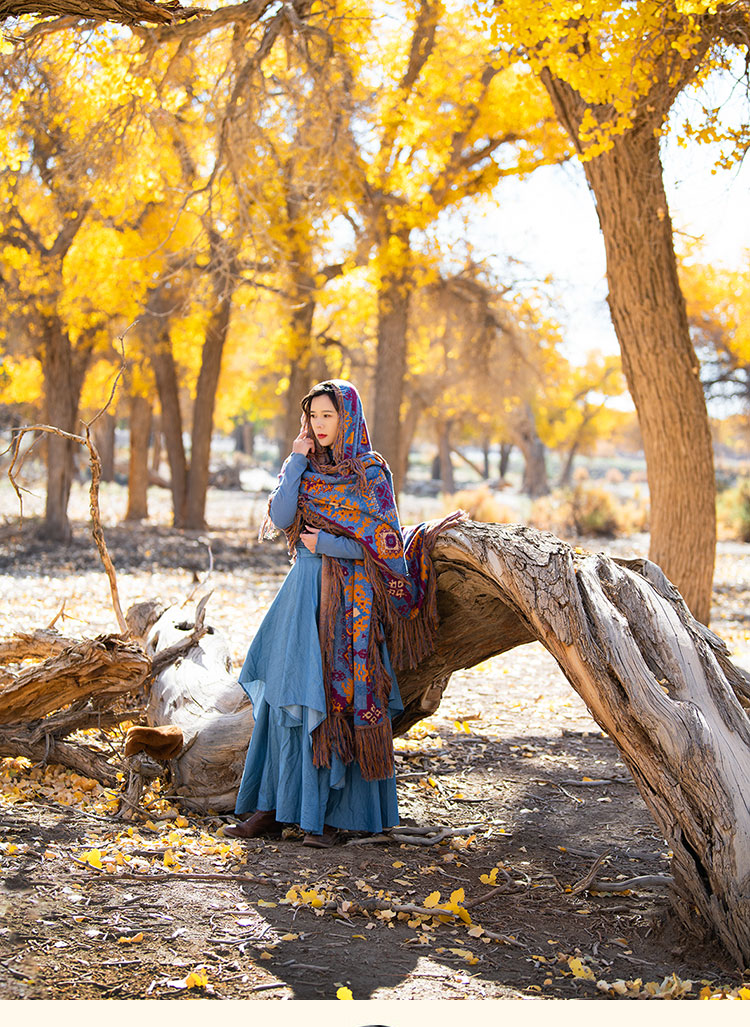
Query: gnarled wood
[[84, 667], [32, 645], [199, 694], [655, 679]]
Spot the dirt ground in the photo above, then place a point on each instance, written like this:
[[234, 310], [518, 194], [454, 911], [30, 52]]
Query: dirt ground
[[512, 754]]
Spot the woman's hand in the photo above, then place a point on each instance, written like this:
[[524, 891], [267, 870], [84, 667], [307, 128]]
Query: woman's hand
[[303, 443], [309, 538]]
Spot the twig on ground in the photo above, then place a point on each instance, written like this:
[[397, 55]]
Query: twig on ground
[[634, 883], [586, 880]]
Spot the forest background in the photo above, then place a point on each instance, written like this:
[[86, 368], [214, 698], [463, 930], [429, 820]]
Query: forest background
[[240, 203]]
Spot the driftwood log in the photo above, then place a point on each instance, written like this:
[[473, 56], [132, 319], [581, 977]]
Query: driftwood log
[[199, 693], [656, 680]]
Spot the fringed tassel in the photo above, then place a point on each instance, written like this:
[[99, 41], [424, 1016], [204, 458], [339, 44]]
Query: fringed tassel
[[373, 747], [333, 735]]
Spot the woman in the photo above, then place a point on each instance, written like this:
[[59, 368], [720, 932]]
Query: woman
[[319, 671]]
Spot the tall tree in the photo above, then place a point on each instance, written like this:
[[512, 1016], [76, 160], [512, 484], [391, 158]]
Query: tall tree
[[613, 71], [440, 120]]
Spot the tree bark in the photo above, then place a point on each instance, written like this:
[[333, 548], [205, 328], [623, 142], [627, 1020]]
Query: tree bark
[[301, 312], [390, 365], [203, 411], [138, 473], [659, 362], [165, 372]]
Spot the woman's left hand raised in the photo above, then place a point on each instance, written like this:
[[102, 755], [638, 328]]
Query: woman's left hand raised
[[309, 538]]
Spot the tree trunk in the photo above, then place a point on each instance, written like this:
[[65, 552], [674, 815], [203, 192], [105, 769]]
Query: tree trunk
[[566, 474], [244, 438], [506, 448], [390, 366], [409, 426], [302, 309], [654, 678], [165, 372], [527, 439], [203, 412], [659, 362], [138, 473], [159, 347], [63, 378], [486, 458], [156, 444], [444, 456], [103, 432]]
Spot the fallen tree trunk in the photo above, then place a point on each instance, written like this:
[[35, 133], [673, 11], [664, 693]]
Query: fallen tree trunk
[[656, 680], [77, 669], [199, 694]]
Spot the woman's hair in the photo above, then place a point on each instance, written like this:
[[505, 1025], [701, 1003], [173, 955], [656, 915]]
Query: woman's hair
[[321, 389]]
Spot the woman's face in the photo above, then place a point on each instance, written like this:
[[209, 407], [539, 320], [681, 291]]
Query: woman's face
[[324, 419]]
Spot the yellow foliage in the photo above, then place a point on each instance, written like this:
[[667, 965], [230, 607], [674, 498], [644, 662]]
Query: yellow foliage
[[21, 380]]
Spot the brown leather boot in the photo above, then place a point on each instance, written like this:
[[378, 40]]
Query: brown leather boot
[[326, 840], [262, 822]]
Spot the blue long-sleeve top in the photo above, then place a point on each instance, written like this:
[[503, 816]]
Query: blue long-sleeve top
[[283, 508]]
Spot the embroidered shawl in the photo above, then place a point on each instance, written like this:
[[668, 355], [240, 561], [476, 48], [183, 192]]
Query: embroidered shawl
[[389, 595]]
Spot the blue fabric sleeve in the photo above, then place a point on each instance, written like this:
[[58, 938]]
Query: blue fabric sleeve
[[338, 545], [283, 505]]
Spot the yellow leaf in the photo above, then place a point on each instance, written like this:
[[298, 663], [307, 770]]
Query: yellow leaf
[[131, 941], [196, 980], [398, 864], [262, 902], [13, 849], [432, 900], [469, 957], [579, 970], [93, 858], [359, 936], [344, 993], [490, 878], [266, 955], [744, 993], [289, 937]]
